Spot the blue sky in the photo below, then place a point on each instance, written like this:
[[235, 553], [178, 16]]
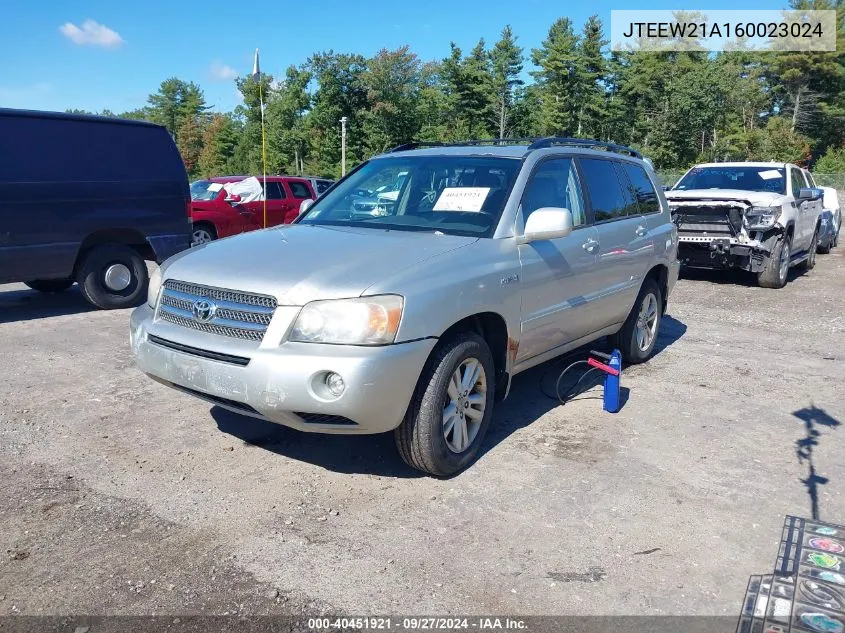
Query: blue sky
[[96, 54]]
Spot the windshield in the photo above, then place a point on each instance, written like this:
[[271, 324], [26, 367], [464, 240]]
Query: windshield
[[745, 178], [205, 190], [455, 195]]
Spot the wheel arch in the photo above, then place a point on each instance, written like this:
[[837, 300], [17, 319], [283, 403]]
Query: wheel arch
[[660, 274], [128, 237], [492, 327]]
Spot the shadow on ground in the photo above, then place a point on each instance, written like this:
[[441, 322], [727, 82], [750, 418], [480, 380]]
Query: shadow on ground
[[532, 395], [28, 305], [735, 277], [813, 419]]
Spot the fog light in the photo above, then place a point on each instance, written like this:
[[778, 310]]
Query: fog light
[[334, 383]]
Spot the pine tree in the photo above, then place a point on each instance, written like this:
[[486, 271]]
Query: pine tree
[[189, 141], [507, 61], [590, 75], [557, 59], [219, 141]]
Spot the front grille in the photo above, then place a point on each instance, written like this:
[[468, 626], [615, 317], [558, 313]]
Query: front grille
[[237, 314], [221, 294], [708, 221]]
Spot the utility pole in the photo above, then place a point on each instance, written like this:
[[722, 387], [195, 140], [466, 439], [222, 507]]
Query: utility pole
[[342, 146]]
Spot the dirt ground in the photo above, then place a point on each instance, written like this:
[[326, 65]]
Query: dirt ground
[[120, 496]]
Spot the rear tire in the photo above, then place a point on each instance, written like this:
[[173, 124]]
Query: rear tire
[[50, 285], [774, 275], [638, 336], [810, 262], [113, 276], [439, 435]]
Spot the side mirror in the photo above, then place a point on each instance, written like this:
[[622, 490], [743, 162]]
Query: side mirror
[[305, 205], [548, 223], [810, 193], [233, 199]]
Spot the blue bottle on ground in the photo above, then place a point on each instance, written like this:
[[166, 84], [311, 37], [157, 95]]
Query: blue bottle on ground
[[612, 384]]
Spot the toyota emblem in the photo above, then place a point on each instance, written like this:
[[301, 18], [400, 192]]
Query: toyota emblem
[[204, 310]]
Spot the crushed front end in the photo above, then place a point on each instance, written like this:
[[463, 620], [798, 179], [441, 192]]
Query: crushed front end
[[725, 233]]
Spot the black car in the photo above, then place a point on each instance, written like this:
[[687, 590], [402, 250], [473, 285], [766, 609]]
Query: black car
[[88, 199]]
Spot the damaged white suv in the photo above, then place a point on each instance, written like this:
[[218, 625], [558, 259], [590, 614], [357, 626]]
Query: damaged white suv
[[759, 217]]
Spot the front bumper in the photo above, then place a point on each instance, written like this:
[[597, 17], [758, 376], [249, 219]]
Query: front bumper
[[280, 382], [723, 253]]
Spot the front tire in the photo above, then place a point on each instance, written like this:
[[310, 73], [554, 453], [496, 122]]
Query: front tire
[[451, 409], [638, 336], [775, 273], [113, 276], [50, 285]]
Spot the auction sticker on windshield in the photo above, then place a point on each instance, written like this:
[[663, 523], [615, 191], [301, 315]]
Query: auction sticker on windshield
[[461, 199], [769, 174]]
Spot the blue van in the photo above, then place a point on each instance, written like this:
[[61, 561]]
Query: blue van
[[88, 199]]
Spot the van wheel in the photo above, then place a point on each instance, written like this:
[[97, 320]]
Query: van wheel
[[113, 276], [202, 233], [451, 408], [810, 262], [777, 268], [638, 336], [50, 285]]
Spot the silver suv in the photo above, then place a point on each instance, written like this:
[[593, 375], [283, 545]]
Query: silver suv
[[494, 257]]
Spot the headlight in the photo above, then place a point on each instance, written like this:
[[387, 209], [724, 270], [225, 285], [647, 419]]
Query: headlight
[[362, 321], [762, 217], [154, 287]]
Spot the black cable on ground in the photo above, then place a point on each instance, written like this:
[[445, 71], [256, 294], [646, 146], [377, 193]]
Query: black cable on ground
[[555, 369]]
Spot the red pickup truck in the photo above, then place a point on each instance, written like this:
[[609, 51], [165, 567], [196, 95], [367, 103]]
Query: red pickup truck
[[215, 214]]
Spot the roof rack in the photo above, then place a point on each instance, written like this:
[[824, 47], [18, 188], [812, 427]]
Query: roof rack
[[533, 143], [414, 145], [478, 141], [550, 141]]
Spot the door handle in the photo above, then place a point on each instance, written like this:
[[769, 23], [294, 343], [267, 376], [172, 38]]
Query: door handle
[[641, 231], [590, 245]]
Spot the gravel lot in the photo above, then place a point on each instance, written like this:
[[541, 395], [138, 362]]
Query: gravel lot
[[120, 496]]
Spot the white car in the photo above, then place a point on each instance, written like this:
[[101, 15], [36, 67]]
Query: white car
[[759, 217]]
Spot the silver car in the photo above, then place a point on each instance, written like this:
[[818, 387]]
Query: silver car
[[493, 259]]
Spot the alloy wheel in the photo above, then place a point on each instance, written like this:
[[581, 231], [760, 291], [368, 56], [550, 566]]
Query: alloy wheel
[[464, 410]]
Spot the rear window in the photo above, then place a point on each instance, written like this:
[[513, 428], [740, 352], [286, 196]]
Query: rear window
[[643, 189], [607, 196], [299, 189], [62, 150]]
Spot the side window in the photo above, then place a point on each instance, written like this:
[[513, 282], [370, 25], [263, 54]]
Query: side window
[[797, 181], [606, 192], [643, 189], [274, 191], [555, 184], [299, 189], [322, 185], [810, 180]]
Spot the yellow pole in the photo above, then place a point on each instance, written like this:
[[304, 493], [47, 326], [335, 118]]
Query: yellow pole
[[263, 148]]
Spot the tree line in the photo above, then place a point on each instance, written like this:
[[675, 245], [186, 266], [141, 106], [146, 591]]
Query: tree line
[[678, 108]]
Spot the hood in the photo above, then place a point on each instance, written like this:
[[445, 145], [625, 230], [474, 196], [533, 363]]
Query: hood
[[301, 263], [753, 198]]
